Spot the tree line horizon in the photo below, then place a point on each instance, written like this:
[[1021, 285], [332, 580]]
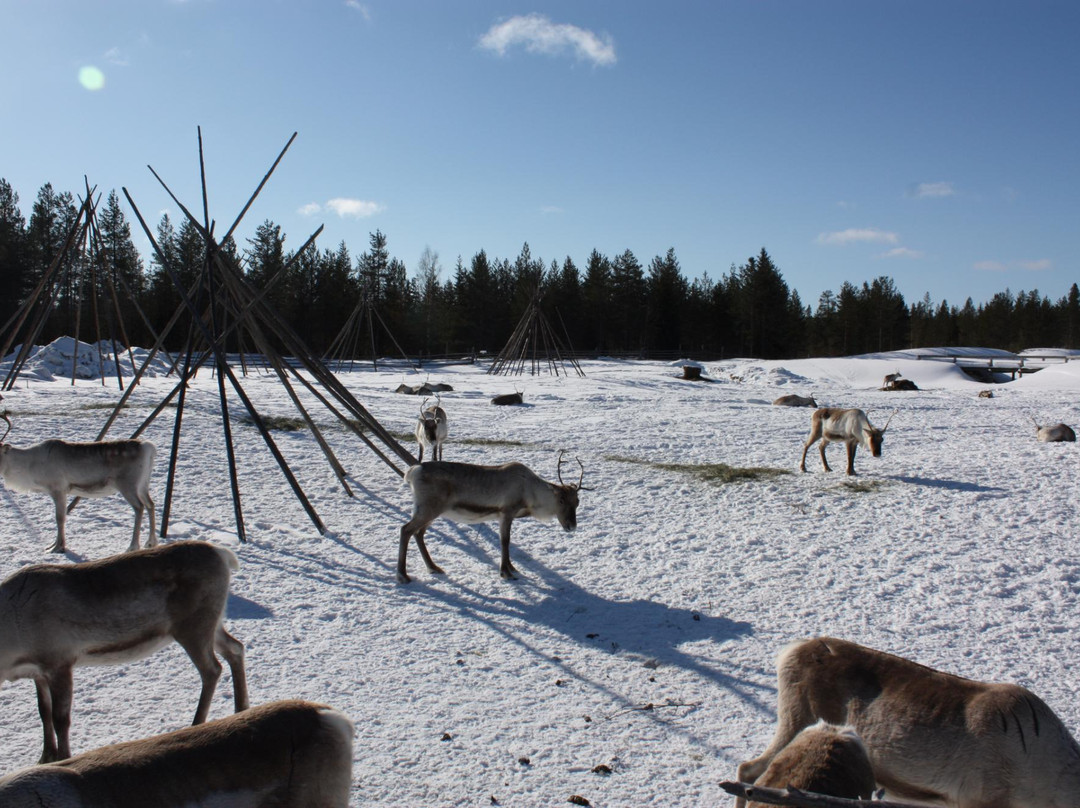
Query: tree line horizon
[[612, 305]]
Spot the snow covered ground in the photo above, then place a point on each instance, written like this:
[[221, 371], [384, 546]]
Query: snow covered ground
[[957, 548]]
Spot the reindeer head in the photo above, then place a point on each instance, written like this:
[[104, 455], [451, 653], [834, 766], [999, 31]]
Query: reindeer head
[[875, 437], [427, 421], [567, 495]]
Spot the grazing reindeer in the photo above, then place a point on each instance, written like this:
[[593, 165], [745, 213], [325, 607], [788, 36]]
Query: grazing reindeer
[[822, 758], [931, 736], [463, 492], [54, 617], [850, 427], [286, 754], [59, 468], [1055, 433], [432, 429]]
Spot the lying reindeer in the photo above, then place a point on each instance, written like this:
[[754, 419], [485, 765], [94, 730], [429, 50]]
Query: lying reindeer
[[59, 468], [463, 492], [850, 427], [55, 617], [793, 400], [432, 429], [824, 759], [931, 736], [292, 754], [1054, 433]]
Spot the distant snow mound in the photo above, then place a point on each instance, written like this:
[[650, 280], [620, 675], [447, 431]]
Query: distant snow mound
[[774, 376], [66, 355]]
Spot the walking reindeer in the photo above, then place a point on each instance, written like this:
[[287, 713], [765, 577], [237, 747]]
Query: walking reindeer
[[432, 429]]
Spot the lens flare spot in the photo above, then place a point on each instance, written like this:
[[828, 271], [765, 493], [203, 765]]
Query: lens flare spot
[[91, 78]]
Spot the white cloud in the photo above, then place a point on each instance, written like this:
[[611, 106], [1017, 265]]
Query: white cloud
[[538, 34], [855, 235], [310, 209], [354, 208], [1037, 266], [356, 5], [114, 57], [903, 252], [933, 190], [550, 209]]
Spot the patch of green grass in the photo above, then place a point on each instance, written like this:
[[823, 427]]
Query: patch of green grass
[[719, 473]]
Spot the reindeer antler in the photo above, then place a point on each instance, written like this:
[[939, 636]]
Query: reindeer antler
[[4, 415], [890, 419], [576, 486]]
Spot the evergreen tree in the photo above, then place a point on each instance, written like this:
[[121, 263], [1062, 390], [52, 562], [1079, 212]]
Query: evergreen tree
[[123, 270], [372, 267], [628, 291], [14, 270], [666, 291], [597, 294]]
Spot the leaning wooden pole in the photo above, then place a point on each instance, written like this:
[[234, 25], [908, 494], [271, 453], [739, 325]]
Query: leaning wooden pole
[[802, 799]]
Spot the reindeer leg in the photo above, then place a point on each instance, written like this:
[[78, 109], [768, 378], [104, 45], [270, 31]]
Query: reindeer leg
[[233, 651], [433, 568], [851, 447], [506, 569], [403, 550], [138, 528], [824, 462], [59, 498], [61, 686], [208, 666], [152, 539], [802, 460], [45, 710]]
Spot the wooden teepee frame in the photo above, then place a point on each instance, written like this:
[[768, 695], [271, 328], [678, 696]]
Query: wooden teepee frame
[[221, 305], [84, 248], [533, 342], [345, 346]]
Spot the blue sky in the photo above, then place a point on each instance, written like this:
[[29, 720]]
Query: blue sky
[[933, 142]]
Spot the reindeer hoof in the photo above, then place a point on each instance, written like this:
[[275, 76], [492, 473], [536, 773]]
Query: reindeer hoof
[[508, 575], [402, 578], [57, 548], [436, 571]]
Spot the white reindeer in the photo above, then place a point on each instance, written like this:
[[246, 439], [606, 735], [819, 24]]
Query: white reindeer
[[432, 429], [931, 736], [463, 492], [285, 754], [825, 759], [850, 427], [55, 617], [1054, 433], [59, 468]]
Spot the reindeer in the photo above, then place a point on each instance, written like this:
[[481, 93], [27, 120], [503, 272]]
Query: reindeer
[[825, 759], [850, 427], [931, 736], [463, 492], [432, 429], [292, 754], [59, 468], [55, 617], [793, 400], [1055, 433]]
